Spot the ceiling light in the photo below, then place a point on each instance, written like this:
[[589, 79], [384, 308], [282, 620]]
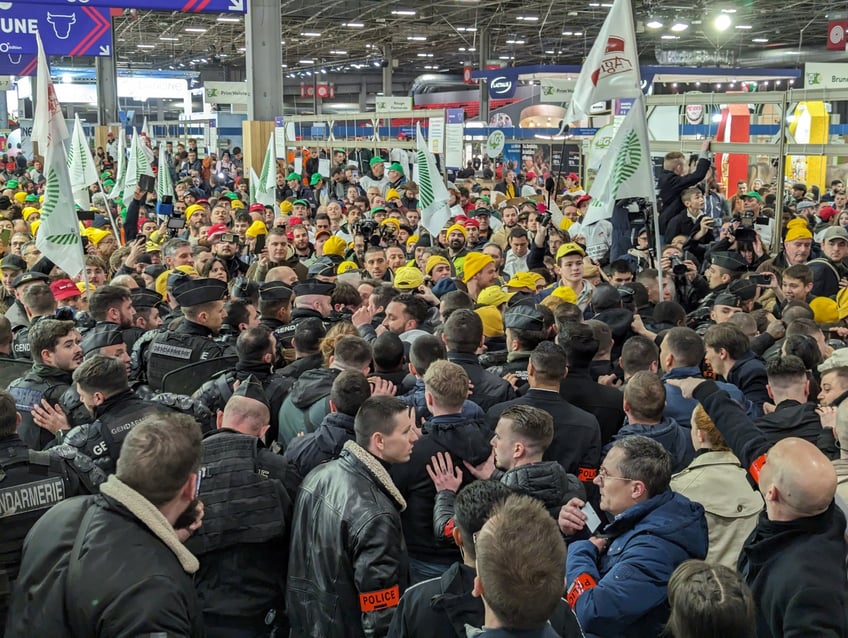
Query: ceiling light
[[228, 19], [654, 23], [760, 40], [403, 12], [310, 34], [417, 38], [728, 10], [424, 55], [666, 36], [353, 25], [528, 18], [306, 61], [679, 26], [515, 42], [146, 46], [722, 22], [550, 52], [744, 26], [168, 39], [338, 52], [467, 29], [195, 30], [578, 33], [284, 66], [568, 32]]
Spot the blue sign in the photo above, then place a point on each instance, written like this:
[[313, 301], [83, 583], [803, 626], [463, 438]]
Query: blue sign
[[20, 65], [455, 116], [70, 30], [502, 86], [186, 6]]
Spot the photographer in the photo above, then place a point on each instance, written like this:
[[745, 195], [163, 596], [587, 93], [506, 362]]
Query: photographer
[[546, 241], [689, 286]]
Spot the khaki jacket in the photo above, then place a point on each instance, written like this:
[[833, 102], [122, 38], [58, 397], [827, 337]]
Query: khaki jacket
[[718, 482]]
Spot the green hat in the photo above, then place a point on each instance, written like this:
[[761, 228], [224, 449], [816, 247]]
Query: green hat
[[316, 177], [293, 176], [755, 195], [31, 198], [396, 166], [12, 183], [105, 175], [108, 182], [378, 209], [485, 199], [339, 150], [376, 160], [302, 202], [231, 196]]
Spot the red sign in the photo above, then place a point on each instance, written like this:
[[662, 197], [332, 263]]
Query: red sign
[[836, 40], [323, 90], [466, 75]]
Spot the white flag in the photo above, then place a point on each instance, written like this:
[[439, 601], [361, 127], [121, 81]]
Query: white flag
[[137, 164], [58, 235], [266, 185], [81, 166], [433, 195], [121, 170], [611, 70], [627, 171], [164, 183]]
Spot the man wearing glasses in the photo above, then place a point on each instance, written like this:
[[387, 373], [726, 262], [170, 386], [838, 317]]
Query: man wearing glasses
[[616, 580]]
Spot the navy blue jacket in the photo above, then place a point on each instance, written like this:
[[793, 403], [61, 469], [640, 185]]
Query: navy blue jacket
[[680, 409], [668, 433], [647, 543]]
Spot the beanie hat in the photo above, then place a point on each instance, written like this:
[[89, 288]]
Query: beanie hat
[[825, 310], [335, 245], [191, 210], [29, 211], [435, 260], [256, 228], [392, 194], [797, 229], [474, 263], [458, 227], [96, 235]]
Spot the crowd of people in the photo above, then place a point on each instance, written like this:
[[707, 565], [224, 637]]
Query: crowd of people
[[319, 418]]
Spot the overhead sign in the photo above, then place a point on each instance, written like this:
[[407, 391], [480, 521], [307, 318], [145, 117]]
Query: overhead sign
[[555, 90], [392, 104], [225, 92], [71, 30], [825, 75], [495, 143], [502, 87], [186, 6], [836, 29]]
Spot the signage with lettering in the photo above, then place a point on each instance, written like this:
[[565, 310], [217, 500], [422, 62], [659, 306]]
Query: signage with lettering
[[556, 90], [226, 92], [186, 6], [393, 104], [71, 30], [502, 87], [825, 75]]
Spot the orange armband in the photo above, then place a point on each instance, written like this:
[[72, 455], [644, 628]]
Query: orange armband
[[377, 600], [757, 466], [581, 584], [587, 474]]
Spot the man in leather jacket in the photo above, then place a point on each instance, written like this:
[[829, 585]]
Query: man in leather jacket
[[56, 353], [349, 509]]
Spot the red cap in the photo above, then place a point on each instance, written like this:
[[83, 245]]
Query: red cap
[[460, 219], [574, 177], [217, 229], [472, 222], [64, 289], [581, 199], [294, 221], [541, 208], [255, 208], [202, 201], [531, 175], [290, 235], [827, 212]]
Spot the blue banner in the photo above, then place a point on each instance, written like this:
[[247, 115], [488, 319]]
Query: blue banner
[[70, 30], [186, 6]]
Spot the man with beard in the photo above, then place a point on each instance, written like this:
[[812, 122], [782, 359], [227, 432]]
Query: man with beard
[[376, 178], [280, 254], [112, 305], [479, 272], [510, 220], [376, 264], [829, 270], [225, 246], [196, 216], [302, 247], [56, 353], [457, 236]]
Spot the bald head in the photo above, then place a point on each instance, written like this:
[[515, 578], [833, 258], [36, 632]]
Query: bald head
[[282, 273], [797, 481], [245, 415]]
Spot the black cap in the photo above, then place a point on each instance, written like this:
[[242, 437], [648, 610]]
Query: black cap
[[324, 267], [748, 235], [196, 292], [5, 203], [144, 259], [313, 287], [726, 298], [605, 297], [252, 389], [745, 289], [424, 241], [154, 271], [245, 289], [145, 298], [100, 336], [275, 291], [26, 277], [524, 317], [731, 260], [175, 277], [482, 211], [13, 262]]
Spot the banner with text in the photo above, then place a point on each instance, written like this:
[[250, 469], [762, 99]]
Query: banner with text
[[70, 30]]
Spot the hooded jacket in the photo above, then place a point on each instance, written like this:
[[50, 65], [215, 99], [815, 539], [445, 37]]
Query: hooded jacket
[[324, 444], [668, 433], [791, 418], [546, 481], [465, 440], [415, 398], [624, 589], [307, 404]]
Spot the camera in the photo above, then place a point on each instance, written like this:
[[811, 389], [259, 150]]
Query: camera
[[677, 265], [544, 219], [165, 206], [761, 280], [365, 227]]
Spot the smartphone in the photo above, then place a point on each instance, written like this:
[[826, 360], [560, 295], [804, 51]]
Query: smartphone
[[176, 223], [761, 280], [593, 521], [5, 236], [259, 246], [147, 183]]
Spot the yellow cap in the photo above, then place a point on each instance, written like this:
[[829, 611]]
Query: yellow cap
[[392, 194], [825, 310], [565, 224], [191, 210], [797, 229], [335, 245], [256, 228], [570, 249], [408, 278], [96, 235], [391, 220], [33, 227], [81, 286], [152, 247], [492, 321], [565, 293], [20, 197], [525, 280], [236, 203], [433, 261], [474, 263], [346, 266], [285, 207], [29, 211], [493, 296], [458, 227], [413, 239]]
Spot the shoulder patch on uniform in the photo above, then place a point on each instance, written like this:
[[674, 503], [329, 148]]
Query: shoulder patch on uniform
[[31, 496], [168, 350]]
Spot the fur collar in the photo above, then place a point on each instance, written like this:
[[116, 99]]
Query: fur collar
[[379, 472], [144, 511]]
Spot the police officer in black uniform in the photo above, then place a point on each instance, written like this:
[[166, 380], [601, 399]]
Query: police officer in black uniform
[[202, 301], [525, 329], [39, 303], [729, 266], [312, 299], [30, 483], [56, 353], [16, 314], [275, 313], [146, 305], [247, 492]]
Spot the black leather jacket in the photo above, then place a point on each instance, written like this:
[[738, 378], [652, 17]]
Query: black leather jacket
[[347, 564]]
